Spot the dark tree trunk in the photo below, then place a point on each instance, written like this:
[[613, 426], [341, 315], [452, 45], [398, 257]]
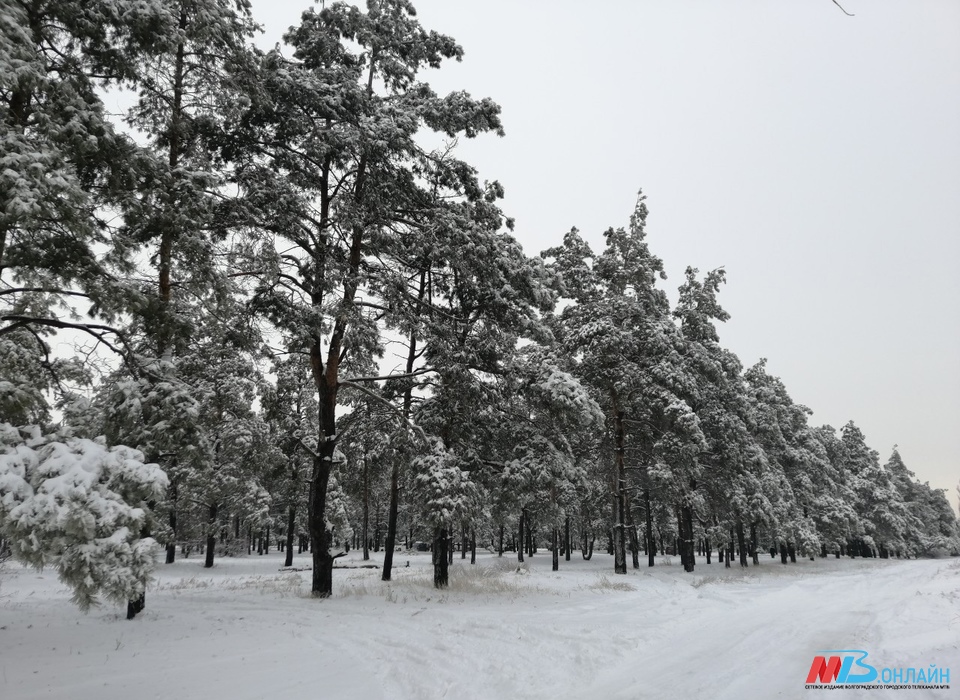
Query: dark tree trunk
[[523, 512], [706, 548], [135, 607], [753, 544], [393, 516], [783, 553], [686, 538], [463, 541], [395, 470], [587, 550], [500, 544], [441, 571], [366, 509], [322, 580], [651, 545], [291, 527], [566, 538], [634, 539], [556, 548], [620, 486], [792, 551], [741, 543], [172, 544], [473, 546], [211, 536], [730, 549]]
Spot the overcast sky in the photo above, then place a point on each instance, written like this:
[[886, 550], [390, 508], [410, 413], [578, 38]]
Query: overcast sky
[[813, 155]]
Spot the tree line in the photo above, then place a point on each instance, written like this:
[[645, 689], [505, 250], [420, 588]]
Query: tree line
[[270, 298]]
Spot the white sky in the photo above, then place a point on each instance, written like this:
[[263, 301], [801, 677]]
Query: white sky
[[813, 155]]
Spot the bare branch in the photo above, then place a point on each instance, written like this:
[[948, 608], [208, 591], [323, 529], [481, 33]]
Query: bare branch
[[97, 330], [413, 426], [848, 14], [406, 375], [306, 448], [47, 290]]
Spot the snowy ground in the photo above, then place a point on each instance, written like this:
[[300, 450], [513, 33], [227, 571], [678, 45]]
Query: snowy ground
[[245, 630]]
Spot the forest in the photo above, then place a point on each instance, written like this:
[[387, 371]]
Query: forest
[[269, 306]]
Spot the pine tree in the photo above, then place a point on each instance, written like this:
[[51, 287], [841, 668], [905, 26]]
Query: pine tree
[[628, 349], [334, 169], [78, 506]]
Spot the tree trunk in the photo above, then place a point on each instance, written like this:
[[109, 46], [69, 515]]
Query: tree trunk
[[634, 540], [523, 512], [556, 548], [463, 541], [366, 509], [392, 517], [135, 607], [686, 537], [651, 545], [620, 485], [473, 546], [172, 544], [566, 538], [500, 544], [441, 571], [291, 527], [783, 553], [742, 543], [587, 551], [395, 470], [753, 544], [322, 580], [792, 551], [211, 537]]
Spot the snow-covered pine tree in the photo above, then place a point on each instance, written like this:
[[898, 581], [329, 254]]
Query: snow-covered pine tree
[[343, 187], [930, 524], [627, 348], [79, 506], [66, 171], [730, 496]]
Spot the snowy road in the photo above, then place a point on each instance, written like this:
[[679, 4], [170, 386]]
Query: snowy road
[[246, 631]]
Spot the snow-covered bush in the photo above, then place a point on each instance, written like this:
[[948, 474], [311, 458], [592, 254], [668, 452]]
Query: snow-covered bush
[[80, 506]]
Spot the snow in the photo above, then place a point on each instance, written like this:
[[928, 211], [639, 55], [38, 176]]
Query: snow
[[246, 630]]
